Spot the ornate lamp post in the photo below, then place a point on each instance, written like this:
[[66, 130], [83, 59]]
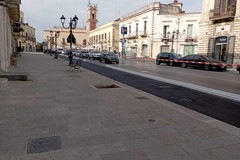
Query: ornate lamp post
[[172, 39], [174, 35], [56, 37], [51, 39], [72, 25]]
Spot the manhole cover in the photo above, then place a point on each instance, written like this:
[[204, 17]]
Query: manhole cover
[[142, 98], [45, 144]]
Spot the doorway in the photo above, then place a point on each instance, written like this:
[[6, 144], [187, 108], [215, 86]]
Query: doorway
[[188, 49], [165, 48], [220, 52], [144, 50]]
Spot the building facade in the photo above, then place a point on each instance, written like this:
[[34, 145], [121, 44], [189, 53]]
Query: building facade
[[9, 29], [219, 30], [27, 36], [159, 28], [105, 37], [57, 38]]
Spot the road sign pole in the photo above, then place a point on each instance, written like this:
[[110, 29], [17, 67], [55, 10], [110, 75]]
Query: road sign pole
[[70, 34]]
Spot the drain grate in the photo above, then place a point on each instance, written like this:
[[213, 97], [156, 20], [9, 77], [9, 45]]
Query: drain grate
[[151, 120], [141, 98], [107, 86], [45, 144]]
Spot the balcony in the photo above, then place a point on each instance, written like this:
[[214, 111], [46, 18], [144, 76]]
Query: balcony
[[224, 13], [132, 35], [143, 33], [191, 39]]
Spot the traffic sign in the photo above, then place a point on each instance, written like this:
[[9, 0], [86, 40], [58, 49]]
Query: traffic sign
[[71, 38]]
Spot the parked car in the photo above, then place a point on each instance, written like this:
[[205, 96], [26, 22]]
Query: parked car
[[169, 58], [109, 57], [238, 68], [202, 61], [76, 52], [84, 54], [94, 55], [61, 51]]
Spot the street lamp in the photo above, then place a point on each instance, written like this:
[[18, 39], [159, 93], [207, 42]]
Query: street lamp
[[51, 39], [172, 39], [56, 37], [174, 34], [72, 25]]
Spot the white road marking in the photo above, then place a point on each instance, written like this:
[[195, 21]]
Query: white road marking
[[216, 92]]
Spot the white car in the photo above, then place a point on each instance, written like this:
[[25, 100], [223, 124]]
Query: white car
[[61, 51], [95, 55]]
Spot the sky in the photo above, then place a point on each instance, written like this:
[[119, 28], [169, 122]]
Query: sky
[[45, 14]]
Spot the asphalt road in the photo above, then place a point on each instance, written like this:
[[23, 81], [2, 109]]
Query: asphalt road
[[228, 81], [220, 108]]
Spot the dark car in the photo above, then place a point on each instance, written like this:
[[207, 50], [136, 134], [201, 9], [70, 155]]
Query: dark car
[[238, 68], [109, 57], [202, 61], [84, 54], [169, 58]]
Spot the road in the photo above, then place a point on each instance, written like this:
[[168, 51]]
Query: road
[[224, 81], [224, 109]]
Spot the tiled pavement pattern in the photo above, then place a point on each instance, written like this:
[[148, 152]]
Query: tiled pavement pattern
[[100, 124]]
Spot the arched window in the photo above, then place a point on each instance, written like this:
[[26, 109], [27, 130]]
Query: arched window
[[84, 42]]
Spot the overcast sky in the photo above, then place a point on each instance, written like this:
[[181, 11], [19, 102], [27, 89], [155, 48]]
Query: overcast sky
[[45, 14]]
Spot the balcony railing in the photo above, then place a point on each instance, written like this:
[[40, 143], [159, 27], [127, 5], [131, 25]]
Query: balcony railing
[[222, 13], [191, 38], [143, 33], [132, 35]]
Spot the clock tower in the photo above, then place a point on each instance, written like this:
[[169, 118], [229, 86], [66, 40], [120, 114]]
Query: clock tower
[[91, 16]]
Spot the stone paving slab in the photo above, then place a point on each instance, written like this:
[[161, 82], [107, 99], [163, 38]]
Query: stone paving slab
[[102, 124]]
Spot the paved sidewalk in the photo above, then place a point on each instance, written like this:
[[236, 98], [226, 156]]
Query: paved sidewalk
[[60, 115]]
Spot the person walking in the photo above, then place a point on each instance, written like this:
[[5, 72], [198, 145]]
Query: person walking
[[56, 54], [70, 57]]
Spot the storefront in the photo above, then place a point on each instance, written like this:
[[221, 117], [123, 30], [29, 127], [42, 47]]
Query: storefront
[[222, 48]]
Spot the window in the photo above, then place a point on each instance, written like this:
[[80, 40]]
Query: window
[[84, 42], [189, 58], [165, 31], [136, 28], [189, 31], [145, 27], [129, 30]]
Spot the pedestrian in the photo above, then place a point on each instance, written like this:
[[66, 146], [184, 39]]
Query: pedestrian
[[223, 55], [56, 54], [70, 56]]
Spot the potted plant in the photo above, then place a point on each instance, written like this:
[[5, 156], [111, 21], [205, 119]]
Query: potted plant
[[14, 58]]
